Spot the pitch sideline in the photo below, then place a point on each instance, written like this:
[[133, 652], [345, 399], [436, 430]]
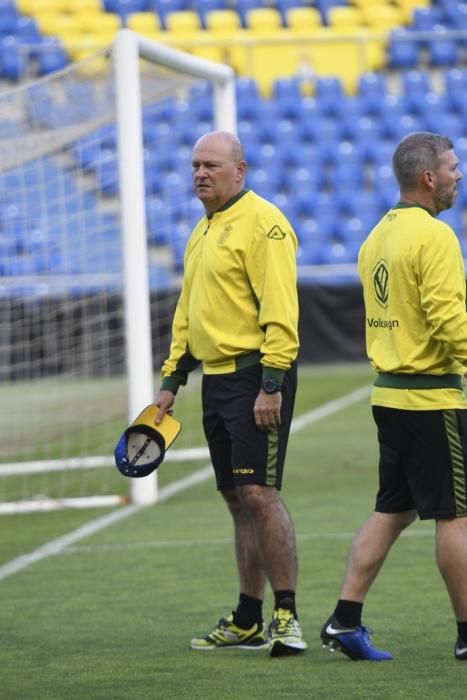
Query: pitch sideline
[[57, 546]]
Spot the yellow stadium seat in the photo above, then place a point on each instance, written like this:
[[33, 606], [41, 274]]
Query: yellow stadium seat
[[301, 20], [382, 17], [224, 27], [99, 23], [183, 23], [52, 22], [76, 7], [145, 23], [223, 21], [345, 18], [407, 7], [263, 20], [34, 7]]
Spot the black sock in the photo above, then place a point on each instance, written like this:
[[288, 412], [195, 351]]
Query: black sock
[[286, 601], [462, 631], [348, 613], [249, 611]]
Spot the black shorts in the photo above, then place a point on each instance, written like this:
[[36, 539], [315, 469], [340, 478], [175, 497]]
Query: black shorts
[[241, 453], [423, 462]]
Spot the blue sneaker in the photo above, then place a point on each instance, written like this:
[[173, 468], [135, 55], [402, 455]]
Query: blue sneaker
[[354, 642], [460, 650]]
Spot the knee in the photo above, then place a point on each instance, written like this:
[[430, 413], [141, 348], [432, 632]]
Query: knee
[[255, 498], [233, 502]]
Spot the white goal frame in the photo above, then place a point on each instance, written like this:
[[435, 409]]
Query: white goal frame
[[128, 48]]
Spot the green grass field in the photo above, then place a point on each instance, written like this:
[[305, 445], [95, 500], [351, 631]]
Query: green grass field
[[111, 616]]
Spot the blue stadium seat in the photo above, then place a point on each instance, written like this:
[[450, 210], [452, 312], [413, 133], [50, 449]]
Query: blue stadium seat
[[455, 80], [421, 101], [371, 90], [425, 19], [451, 124], [329, 93], [402, 50], [13, 64], [125, 7], [51, 57], [455, 13], [362, 129], [443, 51]]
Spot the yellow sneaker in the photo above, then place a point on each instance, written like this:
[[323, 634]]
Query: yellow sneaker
[[285, 634], [226, 635]]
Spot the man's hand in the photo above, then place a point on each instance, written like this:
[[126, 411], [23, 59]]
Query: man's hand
[[164, 401], [268, 410]]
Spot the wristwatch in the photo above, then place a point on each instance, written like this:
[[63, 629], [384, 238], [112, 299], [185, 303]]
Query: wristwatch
[[270, 386]]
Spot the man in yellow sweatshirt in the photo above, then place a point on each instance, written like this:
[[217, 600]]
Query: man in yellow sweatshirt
[[413, 280], [237, 316]]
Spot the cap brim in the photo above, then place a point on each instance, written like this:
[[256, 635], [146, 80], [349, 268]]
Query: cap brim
[[168, 428]]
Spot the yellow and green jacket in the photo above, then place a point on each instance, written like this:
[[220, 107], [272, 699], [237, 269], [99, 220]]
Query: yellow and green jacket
[[413, 280], [238, 304]]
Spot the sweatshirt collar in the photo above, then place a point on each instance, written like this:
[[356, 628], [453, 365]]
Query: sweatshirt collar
[[229, 202], [410, 205]]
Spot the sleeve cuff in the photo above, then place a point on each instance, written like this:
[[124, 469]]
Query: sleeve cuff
[[170, 384], [273, 373]]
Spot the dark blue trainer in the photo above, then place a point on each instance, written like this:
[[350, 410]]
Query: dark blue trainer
[[354, 642]]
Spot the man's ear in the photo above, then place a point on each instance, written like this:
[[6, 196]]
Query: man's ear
[[241, 169], [428, 179]]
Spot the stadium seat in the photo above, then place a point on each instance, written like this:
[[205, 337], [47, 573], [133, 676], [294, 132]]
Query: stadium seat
[[324, 6], [203, 7], [344, 18], [123, 8], [165, 7], [286, 87], [13, 64], [455, 14], [382, 17], [303, 20], [402, 50], [425, 19], [407, 7], [146, 23], [244, 6], [51, 57], [329, 94], [442, 51], [184, 23], [415, 81], [371, 90], [263, 20]]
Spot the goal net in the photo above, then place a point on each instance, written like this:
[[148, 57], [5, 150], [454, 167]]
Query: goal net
[[97, 203]]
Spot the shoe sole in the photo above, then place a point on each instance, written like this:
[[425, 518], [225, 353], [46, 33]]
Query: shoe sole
[[244, 647], [281, 649], [332, 644]]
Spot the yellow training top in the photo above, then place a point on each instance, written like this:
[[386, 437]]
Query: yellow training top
[[413, 280], [239, 296]]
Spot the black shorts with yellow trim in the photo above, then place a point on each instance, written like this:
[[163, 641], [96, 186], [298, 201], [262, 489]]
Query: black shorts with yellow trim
[[423, 462], [241, 453]]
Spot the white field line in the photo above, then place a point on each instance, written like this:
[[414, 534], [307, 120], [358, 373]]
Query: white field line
[[220, 541], [58, 545]]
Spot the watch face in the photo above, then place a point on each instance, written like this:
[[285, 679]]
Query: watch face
[[270, 386]]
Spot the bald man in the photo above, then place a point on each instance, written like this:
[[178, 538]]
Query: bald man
[[237, 317]]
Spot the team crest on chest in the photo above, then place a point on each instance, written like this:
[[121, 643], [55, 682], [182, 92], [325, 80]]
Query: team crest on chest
[[224, 234]]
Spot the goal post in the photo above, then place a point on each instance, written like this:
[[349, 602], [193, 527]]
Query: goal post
[[84, 239], [129, 48]]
